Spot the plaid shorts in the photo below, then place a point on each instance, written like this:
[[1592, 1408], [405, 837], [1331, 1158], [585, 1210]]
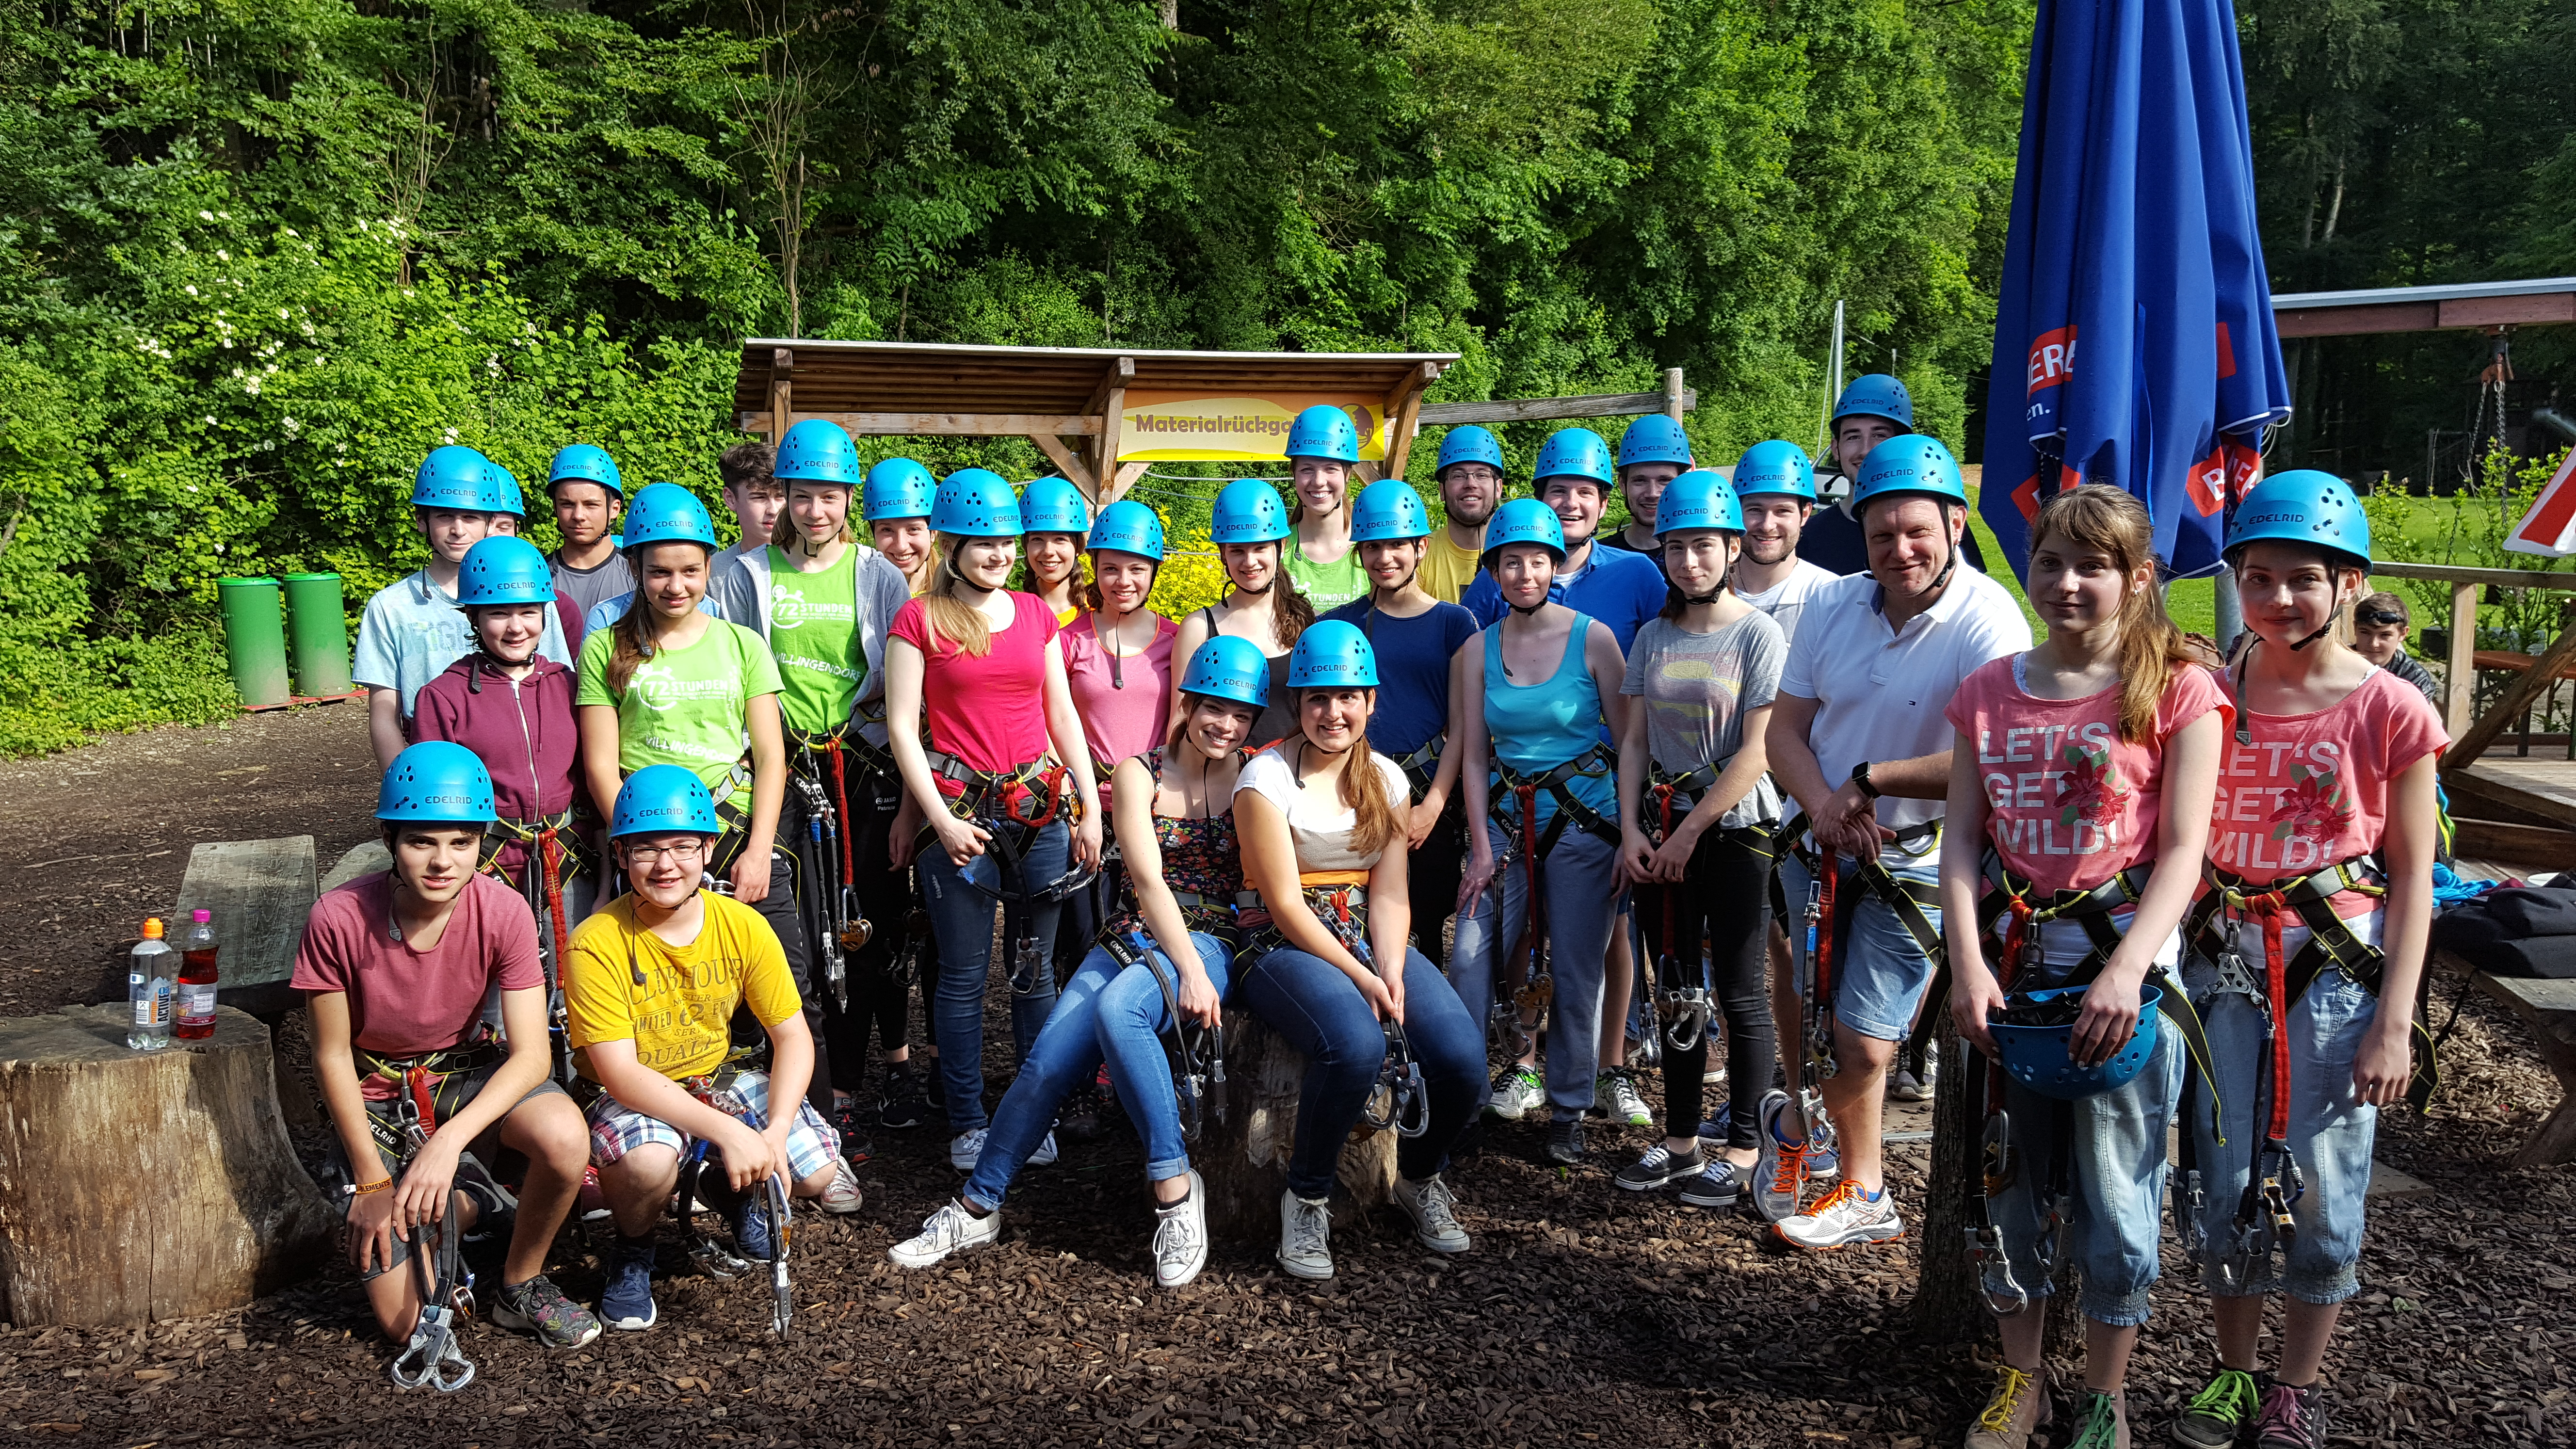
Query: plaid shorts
[[811, 1143]]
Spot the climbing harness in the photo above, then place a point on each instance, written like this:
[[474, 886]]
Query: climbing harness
[[1683, 997], [555, 852], [845, 926], [707, 1250], [1400, 1099], [431, 1358], [1829, 909], [1422, 766], [1526, 842], [1198, 1052], [1012, 806]]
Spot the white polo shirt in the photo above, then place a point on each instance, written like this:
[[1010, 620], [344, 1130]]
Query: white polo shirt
[[1786, 601], [1880, 694]]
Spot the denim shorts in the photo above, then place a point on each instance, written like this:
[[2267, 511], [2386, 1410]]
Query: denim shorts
[[1879, 971], [2330, 1134], [2114, 1185]]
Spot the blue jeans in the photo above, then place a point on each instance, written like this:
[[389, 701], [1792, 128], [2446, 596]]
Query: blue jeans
[[2331, 1130], [961, 918], [1106, 1013], [1879, 970], [1321, 1013], [2115, 1173], [1581, 907]]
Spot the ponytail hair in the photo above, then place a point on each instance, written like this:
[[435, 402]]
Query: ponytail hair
[[1290, 611], [2099, 516], [1375, 824], [948, 616]]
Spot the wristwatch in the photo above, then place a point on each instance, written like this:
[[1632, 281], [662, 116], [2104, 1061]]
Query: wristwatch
[[1860, 777]]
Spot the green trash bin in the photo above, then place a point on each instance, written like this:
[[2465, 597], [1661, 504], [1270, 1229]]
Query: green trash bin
[[254, 640], [317, 631]]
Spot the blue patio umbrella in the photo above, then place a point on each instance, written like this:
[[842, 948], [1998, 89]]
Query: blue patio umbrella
[[2134, 309]]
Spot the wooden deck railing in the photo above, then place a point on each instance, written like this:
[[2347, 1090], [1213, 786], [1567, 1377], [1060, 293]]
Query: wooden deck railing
[[2471, 732]]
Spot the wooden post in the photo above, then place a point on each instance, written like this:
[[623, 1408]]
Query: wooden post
[[1947, 1306], [782, 393], [2460, 695], [2534, 682], [145, 1185], [1674, 392], [1405, 417], [1244, 1160], [1062, 456], [1109, 403]]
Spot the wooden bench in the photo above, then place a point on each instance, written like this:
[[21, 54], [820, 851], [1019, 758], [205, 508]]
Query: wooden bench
[[2506, 661], [2550, 1008]]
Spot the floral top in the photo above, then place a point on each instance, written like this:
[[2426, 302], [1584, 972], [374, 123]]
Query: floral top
[[1200, 858]]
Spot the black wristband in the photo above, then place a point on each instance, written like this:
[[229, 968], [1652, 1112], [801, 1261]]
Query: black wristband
[[1860, 777]]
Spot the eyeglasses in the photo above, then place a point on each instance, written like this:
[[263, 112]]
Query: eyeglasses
[[680, 854]]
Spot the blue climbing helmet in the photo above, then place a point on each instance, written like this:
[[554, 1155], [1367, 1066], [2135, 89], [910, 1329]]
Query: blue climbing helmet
[[668, 513], [975, 503], [1572, 452], [438, 780], [1054, 505], [2035, 1053], [1247, 511], [1775, 466], [897, 488], [1226, 667], [504, 569], [1698, 499], [1468, 443], [1525, 520], [817, 451], [582, 463], [452, 477], [501, 491], [1128, 526], [1389, 508], [1654, 438], [2304, 505], [1324, 432], [661, 798], [1909, 463], [1879, 396], [1332, 654]]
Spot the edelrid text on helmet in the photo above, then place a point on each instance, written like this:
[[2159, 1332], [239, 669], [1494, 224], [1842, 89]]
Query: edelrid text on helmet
[[1389, 508], [1128, 526], [504, 569], [1775, 466], [1572, 453], [975, 503], [1910, 463], [1698, 499], [897, 488], [1654, 438], [661, 798], [1054, 505], [1524, 520], [452, 477], [817, 451], [1876, 395], [1468, 443], [1247, 511], [668, 513], [1229, 668], [1332, 654], [436, 781], [583, 463], [2303, 506], [1324, 432]]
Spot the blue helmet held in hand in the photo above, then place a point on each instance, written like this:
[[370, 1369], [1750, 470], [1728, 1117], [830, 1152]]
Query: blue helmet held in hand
[[1389, 508], [1908, 463], [1524, 520], [1654, 438], [661, 799], [1226, 667], [1775, 466], [582, 463], [1572, 453], [1324, 432], [897, 488], [1468, 443], [1128, 526], [1054, 505], [975, 503], [2303, 506], [1878, 396], [668, 513], [1698, 499], [454, 477], [436, 781], [504, 569], [1332, 654], [817, 451], [1247, 511], [2036, 1056]]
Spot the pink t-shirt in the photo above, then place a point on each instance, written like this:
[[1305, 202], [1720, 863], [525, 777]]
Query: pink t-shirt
[[989, 712], [1119, 722], [404, 1001], [2312, 789], [2070, 804]]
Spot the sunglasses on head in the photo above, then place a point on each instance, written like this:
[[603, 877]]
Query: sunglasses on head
[[2377, 617]]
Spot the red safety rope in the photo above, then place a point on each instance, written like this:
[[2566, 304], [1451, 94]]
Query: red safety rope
[[1664, 808], [2272, 905], [841, 806], [1831, 868], [549, 864], [420, 1086]]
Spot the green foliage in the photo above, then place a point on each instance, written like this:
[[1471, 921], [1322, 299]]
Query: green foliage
[[2470, 528]]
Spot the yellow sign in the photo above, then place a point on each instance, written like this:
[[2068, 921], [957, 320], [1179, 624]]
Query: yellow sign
[[1179, 428]]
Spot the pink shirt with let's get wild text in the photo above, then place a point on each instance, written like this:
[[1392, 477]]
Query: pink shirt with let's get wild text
[[2312, 789]]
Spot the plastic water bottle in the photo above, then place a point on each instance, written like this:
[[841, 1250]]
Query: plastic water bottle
[[197, 978], [151, 988]]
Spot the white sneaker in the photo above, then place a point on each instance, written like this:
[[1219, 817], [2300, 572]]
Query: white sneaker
[[952, 1229], [966, 1149], [1434, 1211], [1516, 1091], [843, 1195], [1616, 1091], [1779, 1167], [1180, 1237], [1045, 1155], [1845, 1215], [1305, 1236]]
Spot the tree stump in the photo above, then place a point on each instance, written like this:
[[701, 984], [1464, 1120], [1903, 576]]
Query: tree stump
[[145, 1185], [1244, 1160]]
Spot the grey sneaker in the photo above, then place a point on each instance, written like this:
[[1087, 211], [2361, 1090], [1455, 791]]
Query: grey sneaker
[[1044, 1155], [1848, 1214], [1614, 1095], [2291, 1418], [1180, 1237], [952, 1229], [1516, 1091], [538, 1307], [1565, 1142], [1435, 1221], [966, 1149], [1305, 1236], [1659, 1166], [1779, 1165]]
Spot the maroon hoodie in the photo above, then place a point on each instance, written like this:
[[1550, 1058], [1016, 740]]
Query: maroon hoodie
[[523, 733]]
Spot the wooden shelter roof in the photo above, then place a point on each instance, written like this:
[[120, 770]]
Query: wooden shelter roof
[[942, 377]]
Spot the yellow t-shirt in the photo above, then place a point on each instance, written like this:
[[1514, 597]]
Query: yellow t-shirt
[[1446, 569], [679, 1019]]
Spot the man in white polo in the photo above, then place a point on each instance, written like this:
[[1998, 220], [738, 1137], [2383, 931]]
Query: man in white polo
[[1857, 736]]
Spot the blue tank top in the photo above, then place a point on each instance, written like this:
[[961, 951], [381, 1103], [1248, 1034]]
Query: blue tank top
[[1537, 727]]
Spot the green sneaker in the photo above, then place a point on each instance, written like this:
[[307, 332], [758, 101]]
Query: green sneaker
[[2219, 1413], [2104, 1424]]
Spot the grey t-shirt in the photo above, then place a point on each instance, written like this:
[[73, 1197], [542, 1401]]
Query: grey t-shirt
[[589, 588], [1697, 688]]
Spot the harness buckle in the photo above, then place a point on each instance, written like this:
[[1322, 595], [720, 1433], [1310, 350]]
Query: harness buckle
[[431, 1359], [1690, 1011]]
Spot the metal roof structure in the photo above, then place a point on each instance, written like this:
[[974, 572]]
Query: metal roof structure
[[2478, 305]]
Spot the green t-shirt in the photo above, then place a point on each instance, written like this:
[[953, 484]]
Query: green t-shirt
[[684, 706], [814, 632], [1327, 586]]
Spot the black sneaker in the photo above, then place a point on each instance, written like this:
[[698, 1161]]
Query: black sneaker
[[1080, 1119], [854, 1140], [2216, 1417], [1721, 1184], [934, 1088], [1565, 1142], [902, 1103], [1660, 1165]]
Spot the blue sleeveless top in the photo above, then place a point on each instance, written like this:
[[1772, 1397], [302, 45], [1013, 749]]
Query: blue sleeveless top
[[1537, 727]]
